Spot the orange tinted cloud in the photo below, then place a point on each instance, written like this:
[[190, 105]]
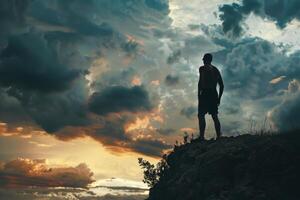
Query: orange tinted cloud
[[136, 81], [277, 80], [27, 172], [41, 144], [189, 130], [139, 123], [24, 132], [144, 121], [155, 82]]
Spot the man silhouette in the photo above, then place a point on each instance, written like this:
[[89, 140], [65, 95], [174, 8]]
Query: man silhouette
[[208, 97]]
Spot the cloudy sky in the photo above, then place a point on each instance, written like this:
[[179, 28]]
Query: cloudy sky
[[88, 86]]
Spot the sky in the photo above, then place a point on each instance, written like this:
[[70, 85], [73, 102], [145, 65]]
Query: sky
[[87, 86]]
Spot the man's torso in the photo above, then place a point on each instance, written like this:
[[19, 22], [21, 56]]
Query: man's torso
[[208, 77]]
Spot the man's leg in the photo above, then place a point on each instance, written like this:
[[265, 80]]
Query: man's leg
[[202, 124], [217, 125]]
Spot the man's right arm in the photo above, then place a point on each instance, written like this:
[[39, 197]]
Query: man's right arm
[[199, 84]]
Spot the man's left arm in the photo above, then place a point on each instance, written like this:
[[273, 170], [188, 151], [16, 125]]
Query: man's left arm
[[221, 86]]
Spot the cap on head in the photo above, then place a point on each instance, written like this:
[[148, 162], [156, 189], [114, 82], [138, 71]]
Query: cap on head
[[207, 58]]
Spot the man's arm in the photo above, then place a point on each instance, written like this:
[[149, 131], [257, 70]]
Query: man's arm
[[221, 86], [199, 84]]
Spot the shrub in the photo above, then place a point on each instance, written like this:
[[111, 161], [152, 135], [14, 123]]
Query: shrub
[[153, 173]]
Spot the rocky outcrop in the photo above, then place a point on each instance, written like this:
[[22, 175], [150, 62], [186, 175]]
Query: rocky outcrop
[[237, 168]]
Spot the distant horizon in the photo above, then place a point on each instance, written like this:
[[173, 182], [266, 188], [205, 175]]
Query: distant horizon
[[104, 190]]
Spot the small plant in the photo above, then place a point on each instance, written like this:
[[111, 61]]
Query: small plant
[[255, 128], [185, 138], [153, 173]]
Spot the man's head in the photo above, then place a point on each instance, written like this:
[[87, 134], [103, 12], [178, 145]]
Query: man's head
[[207, 58]]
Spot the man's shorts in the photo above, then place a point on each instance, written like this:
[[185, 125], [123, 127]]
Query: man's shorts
[[208, 102]]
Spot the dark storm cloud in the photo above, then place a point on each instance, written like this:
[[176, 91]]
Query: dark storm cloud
[[49, 47], [12, 17], [28, 63], [189, 112], [111, 133], [33, 73], [158, 4], [99, 18], [40, 68], [123, 77], [26, 172], [171, 80], [216, 34], [166, 131], [250, 65], [232, 18], [13, 11], [68, 14], [150, 147], [11, 109], [280, 11], [86, 19], [286, 115], [47, 110], [77, 23], [118, 99]]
